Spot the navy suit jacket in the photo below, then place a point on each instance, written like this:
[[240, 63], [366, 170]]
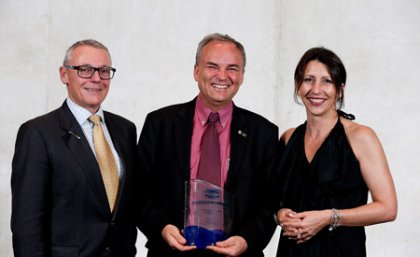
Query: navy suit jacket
[[165, 147], [59, 203]]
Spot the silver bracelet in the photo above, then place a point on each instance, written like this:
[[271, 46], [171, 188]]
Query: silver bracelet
[[335, 220]]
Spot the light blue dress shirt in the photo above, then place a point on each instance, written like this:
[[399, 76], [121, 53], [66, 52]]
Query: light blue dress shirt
[[82, 116]]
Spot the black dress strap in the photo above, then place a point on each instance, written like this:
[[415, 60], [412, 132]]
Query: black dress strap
[[348, 116]]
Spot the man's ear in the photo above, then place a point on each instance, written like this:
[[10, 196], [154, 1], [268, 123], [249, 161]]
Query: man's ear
[[64, 75], [195, 72]]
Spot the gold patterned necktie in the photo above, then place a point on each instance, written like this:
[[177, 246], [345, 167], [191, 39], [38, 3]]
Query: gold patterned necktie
[[106, 161]]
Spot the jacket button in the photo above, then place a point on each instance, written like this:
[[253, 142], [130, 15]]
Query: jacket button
[[108, 249]]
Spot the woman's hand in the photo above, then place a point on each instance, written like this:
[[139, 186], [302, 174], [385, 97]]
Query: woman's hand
[[288, 222], [311, 222]]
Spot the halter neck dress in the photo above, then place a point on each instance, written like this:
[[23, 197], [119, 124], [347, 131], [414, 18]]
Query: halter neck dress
[[331, 180]]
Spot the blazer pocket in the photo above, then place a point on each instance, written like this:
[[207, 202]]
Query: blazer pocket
[[65, 251]]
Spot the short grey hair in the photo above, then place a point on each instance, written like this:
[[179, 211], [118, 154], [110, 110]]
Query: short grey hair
[[219, 37], [87, 42]]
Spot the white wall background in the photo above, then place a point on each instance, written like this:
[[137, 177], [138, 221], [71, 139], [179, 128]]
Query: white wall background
[[153, 45]]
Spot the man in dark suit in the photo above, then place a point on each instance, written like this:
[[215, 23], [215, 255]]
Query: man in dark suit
[[62, 202], [169, 147]]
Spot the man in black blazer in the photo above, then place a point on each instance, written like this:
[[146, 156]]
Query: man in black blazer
[[169, 147], [59, 202]]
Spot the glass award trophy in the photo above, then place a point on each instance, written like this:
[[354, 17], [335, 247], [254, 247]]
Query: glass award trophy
[[208, 213]]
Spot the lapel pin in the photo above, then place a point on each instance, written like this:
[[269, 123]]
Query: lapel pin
[[243, 134], [74, 134]]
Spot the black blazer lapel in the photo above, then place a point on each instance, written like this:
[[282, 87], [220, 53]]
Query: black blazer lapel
[[182, 134], [239, 143], [77, 143]]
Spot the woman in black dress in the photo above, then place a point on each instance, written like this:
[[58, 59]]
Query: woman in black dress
[[328, 166]]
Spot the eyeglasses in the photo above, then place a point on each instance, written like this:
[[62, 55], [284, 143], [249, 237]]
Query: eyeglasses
[[86, 72]]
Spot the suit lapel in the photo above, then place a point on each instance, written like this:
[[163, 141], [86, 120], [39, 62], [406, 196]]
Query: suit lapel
[[239, 141], [82, 152], [182, 134]]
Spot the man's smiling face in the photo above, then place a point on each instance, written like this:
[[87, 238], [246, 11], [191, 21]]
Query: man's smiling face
[[87, 93], [219, 73]]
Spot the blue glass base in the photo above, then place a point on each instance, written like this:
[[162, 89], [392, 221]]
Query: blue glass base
[[202, 237]]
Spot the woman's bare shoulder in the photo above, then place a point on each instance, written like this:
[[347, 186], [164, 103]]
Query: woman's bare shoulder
[[286, 135], [359, 136]]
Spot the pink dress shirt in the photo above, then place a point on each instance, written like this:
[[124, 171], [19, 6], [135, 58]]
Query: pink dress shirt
[[201, 114]]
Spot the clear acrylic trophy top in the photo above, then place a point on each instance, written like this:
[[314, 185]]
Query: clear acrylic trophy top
[[208, 213]]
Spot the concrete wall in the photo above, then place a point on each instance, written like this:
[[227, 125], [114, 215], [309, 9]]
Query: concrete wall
[[153, 45]]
